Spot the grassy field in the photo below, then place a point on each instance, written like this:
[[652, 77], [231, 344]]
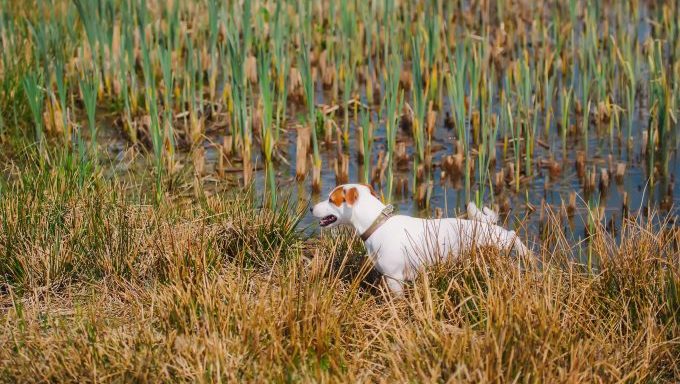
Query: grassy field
[[157, 161], [97, 287]]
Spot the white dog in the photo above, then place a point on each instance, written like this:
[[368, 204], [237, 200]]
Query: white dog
[[400, 245]]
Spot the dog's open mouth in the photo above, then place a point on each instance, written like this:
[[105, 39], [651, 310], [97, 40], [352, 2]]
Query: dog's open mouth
[[328, 220]]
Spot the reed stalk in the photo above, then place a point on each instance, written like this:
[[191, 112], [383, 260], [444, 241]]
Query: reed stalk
[[151, 101], [419, 98], [456, 93], [267, 89], [282, 66], [366, 142], [35, 96], [89, 84], [308, 86], [239, 85], [349, 26], [165, 58], [393, 102], [566, 97], [62, 92]]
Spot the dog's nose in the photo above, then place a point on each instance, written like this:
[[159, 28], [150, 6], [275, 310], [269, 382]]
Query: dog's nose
[[311, 209]]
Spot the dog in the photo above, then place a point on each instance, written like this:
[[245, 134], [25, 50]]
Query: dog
[[400, 245]]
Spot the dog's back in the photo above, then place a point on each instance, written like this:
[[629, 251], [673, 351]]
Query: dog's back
[[460, 235], [408, 242]]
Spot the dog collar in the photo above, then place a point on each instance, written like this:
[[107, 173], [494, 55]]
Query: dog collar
[[385, 214]]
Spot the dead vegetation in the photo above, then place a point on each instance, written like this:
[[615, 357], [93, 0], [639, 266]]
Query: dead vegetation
[[98, 287]]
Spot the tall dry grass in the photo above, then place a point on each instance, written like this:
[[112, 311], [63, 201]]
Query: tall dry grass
[[99, 287]]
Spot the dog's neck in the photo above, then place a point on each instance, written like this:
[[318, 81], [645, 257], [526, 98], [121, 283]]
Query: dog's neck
[[366, 212]]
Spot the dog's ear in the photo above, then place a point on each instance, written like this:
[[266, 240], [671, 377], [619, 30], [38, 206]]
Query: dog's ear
[[373, 192], [337, 197], [352, 196]]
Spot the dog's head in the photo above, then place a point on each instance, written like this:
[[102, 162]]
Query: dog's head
[[341, 203]]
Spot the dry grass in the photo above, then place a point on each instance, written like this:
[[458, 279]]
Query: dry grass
[[99, 285], [96, 287]]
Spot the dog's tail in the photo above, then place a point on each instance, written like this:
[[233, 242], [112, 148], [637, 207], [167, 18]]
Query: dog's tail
[[485, 215]]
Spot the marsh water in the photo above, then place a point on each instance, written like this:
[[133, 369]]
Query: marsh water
[[522, 209], [605, 147], [542, 188]]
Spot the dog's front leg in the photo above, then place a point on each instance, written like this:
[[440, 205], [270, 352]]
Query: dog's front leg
[[396, 286]]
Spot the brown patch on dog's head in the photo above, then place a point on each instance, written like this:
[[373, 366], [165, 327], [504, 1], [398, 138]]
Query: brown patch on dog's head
[[373, 192], [352, 196], [337, 197]]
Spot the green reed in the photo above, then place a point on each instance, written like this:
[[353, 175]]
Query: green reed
[[527, 112], [213, 14], [349, 26], [130, 87], [151, 102], [165, 58], [282, 66], [88, 84], [419, 99], [308, 85], [627, 59], [389, 21], [238, 93], [586, 102], [432, 49], [660, 111], [566, 97], [62, 91], [366, 142], [548, 84], [267, 89], [489, 134], [367, 20], [516, 134], [126, 92], [456, 93], [88, 12], [34, 94], [393, 101]]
